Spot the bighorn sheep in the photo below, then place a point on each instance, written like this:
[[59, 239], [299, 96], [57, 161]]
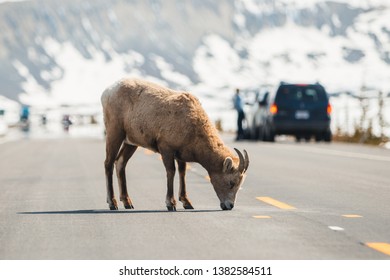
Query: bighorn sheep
[[172, 123]]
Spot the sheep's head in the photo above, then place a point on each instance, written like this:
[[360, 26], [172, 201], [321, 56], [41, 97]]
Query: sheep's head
[[228, 181]]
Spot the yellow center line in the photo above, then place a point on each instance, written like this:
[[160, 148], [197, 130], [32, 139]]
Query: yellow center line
[[261, 217], [381, 247], [275, 202], [352, 216]]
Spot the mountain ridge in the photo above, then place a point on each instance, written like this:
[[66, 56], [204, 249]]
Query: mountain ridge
[[217, 44]]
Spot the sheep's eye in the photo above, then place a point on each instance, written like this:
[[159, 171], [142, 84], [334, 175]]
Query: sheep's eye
[[232, 184]]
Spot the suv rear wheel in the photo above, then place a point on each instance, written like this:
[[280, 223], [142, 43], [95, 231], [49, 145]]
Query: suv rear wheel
[[324, 136], [328, 136], [256, 133], [268, 134]]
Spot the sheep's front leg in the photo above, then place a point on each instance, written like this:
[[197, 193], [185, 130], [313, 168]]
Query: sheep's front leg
[[169, 163], [183, 192]]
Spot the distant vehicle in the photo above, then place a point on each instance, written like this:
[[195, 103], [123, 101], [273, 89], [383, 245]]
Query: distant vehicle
[[3, 124], [301, 110]]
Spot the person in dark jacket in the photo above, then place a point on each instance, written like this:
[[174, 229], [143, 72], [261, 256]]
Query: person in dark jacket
[[239, 106]]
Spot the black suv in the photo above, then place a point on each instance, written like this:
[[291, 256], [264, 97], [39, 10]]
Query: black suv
[[302, 110]]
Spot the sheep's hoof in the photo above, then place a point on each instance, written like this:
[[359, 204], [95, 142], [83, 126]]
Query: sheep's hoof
[[129, 207], [113, 207], [171, 208], [186, 202]]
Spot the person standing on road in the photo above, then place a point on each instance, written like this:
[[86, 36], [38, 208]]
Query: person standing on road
[[25, 114], [66, 122], [238, 105]]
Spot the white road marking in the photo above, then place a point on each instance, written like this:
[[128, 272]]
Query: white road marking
[[336, 228]]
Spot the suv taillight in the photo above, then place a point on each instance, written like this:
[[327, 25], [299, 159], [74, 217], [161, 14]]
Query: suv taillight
[[273, 109], [329, 109]]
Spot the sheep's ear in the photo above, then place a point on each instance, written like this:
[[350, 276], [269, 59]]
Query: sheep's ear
[[227, 164]]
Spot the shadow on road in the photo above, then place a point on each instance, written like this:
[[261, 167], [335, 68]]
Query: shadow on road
[[83, 212]]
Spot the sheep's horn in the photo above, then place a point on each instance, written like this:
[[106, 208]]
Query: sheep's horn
[[241, 166], [246, 161]]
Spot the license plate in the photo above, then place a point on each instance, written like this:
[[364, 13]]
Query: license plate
[[302, 115]]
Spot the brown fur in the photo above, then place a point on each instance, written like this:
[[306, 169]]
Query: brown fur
[[172, 123]]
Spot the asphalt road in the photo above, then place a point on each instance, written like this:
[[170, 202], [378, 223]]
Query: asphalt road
[[291, 206]]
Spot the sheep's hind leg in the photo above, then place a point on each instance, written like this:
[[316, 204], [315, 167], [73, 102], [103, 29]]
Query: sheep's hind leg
[[113, 144], [125, 153], [169, 163], [183, 192]]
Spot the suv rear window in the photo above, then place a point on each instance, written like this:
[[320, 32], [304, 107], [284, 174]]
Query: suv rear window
[[309, 93]]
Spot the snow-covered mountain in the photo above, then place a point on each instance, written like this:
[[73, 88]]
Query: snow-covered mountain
[[56, 52]]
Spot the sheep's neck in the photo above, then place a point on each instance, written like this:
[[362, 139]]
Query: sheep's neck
[[212, 157]]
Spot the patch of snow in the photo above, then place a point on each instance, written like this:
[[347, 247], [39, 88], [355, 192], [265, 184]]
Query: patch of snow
[[82, 80], [168, 73], [216, 62]]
